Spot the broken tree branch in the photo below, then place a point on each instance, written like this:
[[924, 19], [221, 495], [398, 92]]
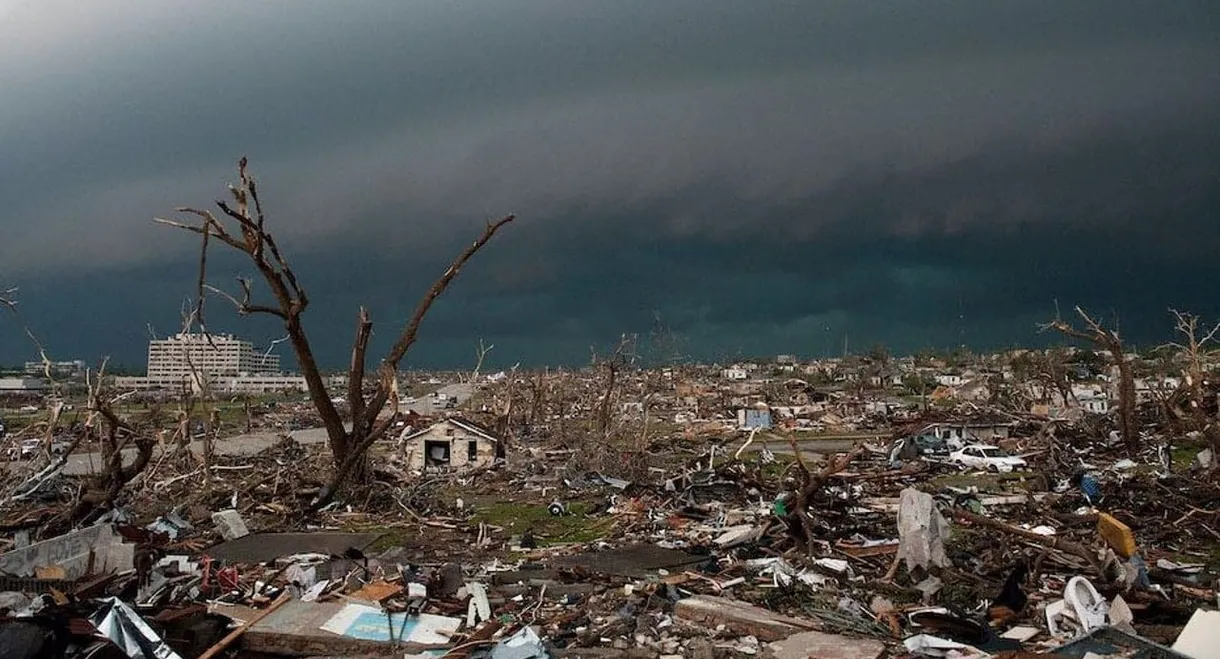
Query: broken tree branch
[[355, 379], [1053, 542], [411, 330]]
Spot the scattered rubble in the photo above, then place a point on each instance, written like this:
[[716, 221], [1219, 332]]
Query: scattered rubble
[[714, 542]]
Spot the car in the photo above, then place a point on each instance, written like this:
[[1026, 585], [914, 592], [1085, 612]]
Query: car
[[912, 447], [985, 456], [3, 430], [27, 449], [931, 445]]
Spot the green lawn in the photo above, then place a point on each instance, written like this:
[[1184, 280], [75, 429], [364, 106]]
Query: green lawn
[[516, 518]]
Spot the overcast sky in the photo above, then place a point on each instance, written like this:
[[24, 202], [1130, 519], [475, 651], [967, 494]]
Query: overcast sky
[[763, 176]]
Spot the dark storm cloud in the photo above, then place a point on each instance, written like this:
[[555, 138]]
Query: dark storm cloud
[[755, 172]]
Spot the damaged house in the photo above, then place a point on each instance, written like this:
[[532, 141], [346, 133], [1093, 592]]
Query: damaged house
[[454, 443], [969, 431]]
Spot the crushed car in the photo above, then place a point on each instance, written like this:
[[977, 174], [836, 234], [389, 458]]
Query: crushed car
[[26, 449]]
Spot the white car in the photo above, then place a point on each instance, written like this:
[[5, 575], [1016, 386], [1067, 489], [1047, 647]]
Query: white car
[[990, 458]]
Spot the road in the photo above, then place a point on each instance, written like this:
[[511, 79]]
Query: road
[[812, 448], [423, 405], [80, 464]]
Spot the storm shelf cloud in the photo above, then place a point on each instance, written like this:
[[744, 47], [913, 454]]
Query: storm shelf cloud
[[763, 176]]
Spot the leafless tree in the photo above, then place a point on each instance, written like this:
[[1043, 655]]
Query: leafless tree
[[664, 351], [103, 425], [242, 226], [808, 484], [8, 300], [247, 413], [1053, 376], [540, 394], [115, 435], [1109, 340], [611, 368], [480, 354], [1193, 349], [198, 391]]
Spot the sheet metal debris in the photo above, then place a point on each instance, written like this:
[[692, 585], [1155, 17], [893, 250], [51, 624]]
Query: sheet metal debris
[[122, 626]]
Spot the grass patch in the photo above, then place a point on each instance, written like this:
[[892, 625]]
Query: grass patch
[[769, 471], [547, 529], [775, 470], [1183, 456], [988, 482], [392, 536]]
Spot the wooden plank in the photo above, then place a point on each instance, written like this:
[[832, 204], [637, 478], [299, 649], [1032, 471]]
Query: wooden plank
[[237, 633]]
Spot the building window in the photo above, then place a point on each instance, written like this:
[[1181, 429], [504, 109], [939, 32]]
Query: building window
[[472, 451], [436, 454]]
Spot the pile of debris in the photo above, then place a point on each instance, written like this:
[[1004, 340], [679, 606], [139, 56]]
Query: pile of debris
[[720, 553]]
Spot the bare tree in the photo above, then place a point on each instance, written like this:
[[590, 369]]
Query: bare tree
[[252, 238], [801, 497], [480, 355], [1109, 340], [1193, 349], [663, 352], [624, 356], [540, 386], [1053, 376], [115, 435]]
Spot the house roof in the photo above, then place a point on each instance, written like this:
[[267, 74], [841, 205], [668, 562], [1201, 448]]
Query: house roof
[[465, 424]]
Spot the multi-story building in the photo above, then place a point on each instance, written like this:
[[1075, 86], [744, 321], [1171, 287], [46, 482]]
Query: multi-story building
[[220, 362], [178, 357], [71, 369]]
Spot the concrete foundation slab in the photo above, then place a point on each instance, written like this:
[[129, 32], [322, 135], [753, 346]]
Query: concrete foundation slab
[[816, 645], [636, 561], [263, 547]]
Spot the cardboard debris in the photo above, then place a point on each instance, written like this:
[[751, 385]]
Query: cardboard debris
[[377, 591]]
